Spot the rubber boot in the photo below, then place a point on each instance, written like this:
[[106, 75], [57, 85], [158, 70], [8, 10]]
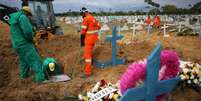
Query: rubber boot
[[87, 70]]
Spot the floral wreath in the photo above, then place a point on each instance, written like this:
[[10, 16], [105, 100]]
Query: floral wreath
[[135, 74]]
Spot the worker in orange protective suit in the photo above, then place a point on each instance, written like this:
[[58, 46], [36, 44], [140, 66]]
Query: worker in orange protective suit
[[148, 20], [148, 23], [89, 36], [157, 21]]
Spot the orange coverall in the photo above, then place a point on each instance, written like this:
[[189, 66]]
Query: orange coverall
[[148, 20], [157, 21], [90, 28]]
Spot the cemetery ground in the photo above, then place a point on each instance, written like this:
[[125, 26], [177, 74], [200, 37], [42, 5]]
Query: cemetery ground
[[66, 49]]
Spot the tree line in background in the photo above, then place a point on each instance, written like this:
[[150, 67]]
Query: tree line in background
[[167, 9]]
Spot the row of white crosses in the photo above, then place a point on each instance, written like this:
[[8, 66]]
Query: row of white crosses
[[184, 22], [107, 19], [103, 19], [71, 20], [138, 21]]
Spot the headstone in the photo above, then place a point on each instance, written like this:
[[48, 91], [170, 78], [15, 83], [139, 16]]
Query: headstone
[[165, 31], [139, 27], [105, 27], [134, 30], [129, 20], [179, 27], [67, 20], [125, 28]]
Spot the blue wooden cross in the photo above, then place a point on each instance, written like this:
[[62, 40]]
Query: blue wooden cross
[[114, 61], [152, 87]]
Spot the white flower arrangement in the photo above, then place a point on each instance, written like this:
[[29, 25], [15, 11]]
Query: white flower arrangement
[[191, 75], [102, 91]]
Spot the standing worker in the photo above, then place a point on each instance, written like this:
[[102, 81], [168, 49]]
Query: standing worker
[[148, 20], [157, 22], [89, 36], [148, 23], [22, 41]]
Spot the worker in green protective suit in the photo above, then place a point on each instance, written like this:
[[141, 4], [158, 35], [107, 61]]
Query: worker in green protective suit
[[22, 41]]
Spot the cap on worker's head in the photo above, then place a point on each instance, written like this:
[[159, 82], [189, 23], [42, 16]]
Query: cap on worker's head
[[51, 66], [83, 10], [27, 9]]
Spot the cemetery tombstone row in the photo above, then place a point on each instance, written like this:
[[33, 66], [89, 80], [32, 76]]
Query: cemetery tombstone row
[[172, 23]]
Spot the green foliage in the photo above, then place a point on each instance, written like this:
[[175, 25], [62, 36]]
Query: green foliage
[[197, 8], [154, 11], [169, 9], [150, 2]]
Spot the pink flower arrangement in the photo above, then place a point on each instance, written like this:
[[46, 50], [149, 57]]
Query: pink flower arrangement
[[169, 63], [134, 73], [169, 68]]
